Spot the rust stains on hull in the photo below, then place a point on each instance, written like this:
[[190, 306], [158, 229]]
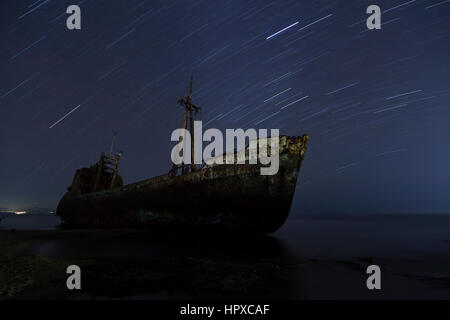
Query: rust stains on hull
[[231, 196]]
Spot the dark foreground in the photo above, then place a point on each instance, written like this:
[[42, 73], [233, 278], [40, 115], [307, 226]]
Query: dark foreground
[[309, 258]]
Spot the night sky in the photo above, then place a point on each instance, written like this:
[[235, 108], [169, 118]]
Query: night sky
[[376, 103]]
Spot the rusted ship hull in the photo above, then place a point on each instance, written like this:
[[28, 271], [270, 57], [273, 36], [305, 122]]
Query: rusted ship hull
[[233, 197]]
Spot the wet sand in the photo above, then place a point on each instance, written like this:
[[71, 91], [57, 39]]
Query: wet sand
[[309, 258]]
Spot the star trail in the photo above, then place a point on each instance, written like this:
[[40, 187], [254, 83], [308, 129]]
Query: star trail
[[376, 103]]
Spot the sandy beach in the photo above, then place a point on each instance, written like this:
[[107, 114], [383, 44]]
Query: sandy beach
[[309, 258]]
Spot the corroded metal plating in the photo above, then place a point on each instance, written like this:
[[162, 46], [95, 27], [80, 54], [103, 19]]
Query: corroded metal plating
[[220, 195]]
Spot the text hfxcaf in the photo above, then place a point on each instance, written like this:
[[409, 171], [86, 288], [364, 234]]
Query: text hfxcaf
[[217, 196]]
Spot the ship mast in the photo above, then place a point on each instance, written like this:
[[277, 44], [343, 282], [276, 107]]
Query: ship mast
[[112, 144], [190, 110], [111, 162]]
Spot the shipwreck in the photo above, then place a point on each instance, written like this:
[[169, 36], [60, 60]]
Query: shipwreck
[[230, 197]]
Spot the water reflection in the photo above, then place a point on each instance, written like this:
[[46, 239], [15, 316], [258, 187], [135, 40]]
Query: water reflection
[[124, 263]]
